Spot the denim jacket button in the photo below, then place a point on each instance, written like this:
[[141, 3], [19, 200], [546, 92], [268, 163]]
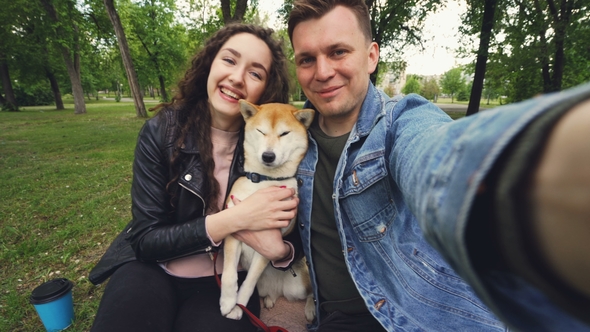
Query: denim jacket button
[[301, 225], [299, 182], [379, 304]]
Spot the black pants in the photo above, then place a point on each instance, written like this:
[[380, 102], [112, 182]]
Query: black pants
[[340, 322], [142, 297]]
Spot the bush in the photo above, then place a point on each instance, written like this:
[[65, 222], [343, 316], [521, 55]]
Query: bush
[[34, 95], [463, 95]]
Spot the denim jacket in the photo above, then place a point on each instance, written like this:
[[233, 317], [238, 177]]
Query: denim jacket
[[407, 175]]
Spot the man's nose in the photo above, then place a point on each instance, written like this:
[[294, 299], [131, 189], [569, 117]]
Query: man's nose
[[324, 69]]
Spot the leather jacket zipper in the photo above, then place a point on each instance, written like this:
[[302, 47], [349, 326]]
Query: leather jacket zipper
[[195, 193]]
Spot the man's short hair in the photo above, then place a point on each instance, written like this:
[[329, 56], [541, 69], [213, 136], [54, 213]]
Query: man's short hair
[[304, 10]]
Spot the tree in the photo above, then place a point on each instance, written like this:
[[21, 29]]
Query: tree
[[68, 35], [487, 25], [127, 61], [240, 7], [430, 90], [412, 85], [160, 41], [535, 46], [10, 102], [27, 43], [397, 24], [453, 82]]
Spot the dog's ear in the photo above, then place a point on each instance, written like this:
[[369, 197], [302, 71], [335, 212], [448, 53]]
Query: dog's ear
[[247, 109], [305, 116]]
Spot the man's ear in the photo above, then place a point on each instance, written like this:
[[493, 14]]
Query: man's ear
[[373, 57]]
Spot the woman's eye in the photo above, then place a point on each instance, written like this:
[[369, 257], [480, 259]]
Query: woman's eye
[[257, 75], [305, 61], [230, 61]]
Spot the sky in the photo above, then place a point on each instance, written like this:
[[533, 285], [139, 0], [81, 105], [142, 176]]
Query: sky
[[440, 35]]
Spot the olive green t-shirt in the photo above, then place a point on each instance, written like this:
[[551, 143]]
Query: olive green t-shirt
[[336, 288]]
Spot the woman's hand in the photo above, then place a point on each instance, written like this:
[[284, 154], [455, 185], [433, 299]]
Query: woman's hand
[[267, 242], [266, 210]]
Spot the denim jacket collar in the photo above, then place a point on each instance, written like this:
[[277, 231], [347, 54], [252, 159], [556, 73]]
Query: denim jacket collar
[[369, 114]]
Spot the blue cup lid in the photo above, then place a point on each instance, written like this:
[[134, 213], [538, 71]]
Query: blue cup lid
[[50, 291]]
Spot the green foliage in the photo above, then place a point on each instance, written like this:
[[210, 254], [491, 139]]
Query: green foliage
[[64, 197], [430, 90], [536, 47], [158, 43], [412, 85], [397, 24], [452, 82], [463, 95], [33, 95]]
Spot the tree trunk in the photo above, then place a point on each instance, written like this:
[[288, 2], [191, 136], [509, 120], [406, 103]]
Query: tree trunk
[[163, 88], [10, 100], [127, 61], [562, 20], [238, 16], [59, 104], [72, 65], [482, 56]]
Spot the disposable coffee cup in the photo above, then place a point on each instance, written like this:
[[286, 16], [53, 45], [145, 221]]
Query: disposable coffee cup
[[53, 302]]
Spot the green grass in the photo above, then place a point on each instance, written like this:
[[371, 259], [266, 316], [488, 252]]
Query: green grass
[[483, 103], [65, 195]]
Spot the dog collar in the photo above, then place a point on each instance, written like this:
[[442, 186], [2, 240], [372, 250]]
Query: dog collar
[[255, 177]]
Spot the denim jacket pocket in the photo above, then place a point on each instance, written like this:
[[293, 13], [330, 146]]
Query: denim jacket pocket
[[366, 199]]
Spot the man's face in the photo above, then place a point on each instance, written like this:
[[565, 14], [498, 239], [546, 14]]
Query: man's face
[[334, 61]]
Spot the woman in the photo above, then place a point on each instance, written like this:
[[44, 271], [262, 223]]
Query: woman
[[185, 160]]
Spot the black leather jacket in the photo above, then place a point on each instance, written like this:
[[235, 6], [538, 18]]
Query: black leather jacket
[[155, 234]]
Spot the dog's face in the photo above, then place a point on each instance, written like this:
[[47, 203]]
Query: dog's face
[[275, 134]]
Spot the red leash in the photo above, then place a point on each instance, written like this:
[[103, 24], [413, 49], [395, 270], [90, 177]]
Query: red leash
[[253, 319]]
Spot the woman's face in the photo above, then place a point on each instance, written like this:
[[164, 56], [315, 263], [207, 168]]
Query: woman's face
[[239, 71]]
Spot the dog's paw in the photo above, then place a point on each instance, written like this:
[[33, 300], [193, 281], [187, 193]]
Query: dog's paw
[[269, 302], [227, 303], [235, 313], [309, 309]]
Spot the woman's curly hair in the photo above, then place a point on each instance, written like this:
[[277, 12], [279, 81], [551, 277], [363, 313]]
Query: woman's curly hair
[[191, 101]]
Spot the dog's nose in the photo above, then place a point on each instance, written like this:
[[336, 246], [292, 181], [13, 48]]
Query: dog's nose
[[268, 157]]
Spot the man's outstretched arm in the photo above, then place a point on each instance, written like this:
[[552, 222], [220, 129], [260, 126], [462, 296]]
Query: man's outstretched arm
[[560, 199]]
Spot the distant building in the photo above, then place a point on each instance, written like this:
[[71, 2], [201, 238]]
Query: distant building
[[392, 83]]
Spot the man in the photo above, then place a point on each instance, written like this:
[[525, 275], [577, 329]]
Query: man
[[383, 175]]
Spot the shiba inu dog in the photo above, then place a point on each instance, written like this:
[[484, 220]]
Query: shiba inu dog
[[275, 141]]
